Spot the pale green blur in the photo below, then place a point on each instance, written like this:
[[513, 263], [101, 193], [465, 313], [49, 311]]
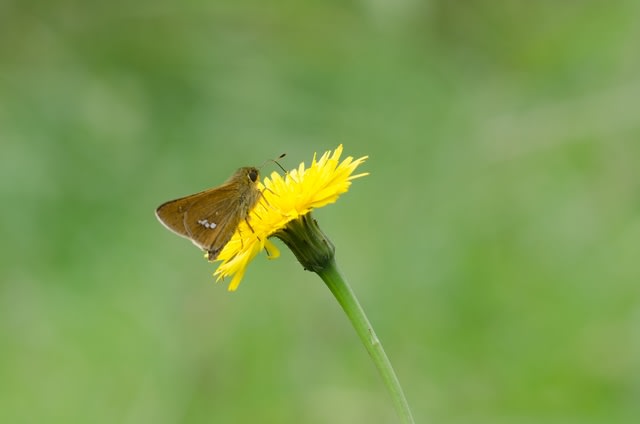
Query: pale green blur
[[494, 245]]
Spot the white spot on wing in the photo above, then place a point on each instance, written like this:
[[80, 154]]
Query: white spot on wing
[[205, 223]]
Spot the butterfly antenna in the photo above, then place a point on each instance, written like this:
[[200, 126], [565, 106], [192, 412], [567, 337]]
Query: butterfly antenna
[[276, 162]]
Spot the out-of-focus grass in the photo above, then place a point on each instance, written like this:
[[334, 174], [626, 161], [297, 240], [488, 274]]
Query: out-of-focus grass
[[494, 243]]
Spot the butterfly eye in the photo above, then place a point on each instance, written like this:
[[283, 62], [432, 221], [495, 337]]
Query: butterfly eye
[[253, 175]]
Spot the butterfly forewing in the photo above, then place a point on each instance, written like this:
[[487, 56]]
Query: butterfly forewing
[[210, 223], [210, 218], [201, 217]]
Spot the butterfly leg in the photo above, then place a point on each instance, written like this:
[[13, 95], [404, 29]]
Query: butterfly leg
[[265, 197], [250, 227], [241, 241]]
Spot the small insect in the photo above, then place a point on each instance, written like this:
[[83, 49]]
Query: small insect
[[210, 218]]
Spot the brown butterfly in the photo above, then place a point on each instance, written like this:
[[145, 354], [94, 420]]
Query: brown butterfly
[[210, 218]]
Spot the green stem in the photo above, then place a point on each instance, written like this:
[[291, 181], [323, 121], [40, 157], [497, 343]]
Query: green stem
[[347, 299], [316, 253]]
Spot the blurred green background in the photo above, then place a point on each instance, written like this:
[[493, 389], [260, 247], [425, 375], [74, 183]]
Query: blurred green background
[[494, 244]]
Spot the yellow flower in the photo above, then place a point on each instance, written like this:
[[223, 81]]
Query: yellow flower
[[283, 200]]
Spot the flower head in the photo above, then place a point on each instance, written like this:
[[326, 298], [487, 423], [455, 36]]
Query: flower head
[[285, 199]]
